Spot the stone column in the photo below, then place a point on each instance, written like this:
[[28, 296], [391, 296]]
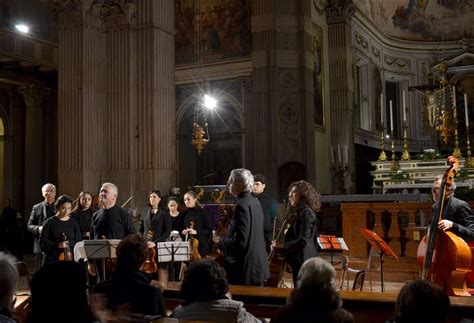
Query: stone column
[[339, 14], [34, 144]]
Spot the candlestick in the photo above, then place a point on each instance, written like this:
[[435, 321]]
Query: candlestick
[[382, 156], [339, 153], [456, 152], [391, 117], [404, 107], [346, 155], [465, 110], [405, 153], [381, 109], [469, 162]]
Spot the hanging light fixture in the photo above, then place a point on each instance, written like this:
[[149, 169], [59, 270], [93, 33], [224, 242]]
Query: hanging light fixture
[[200, 136]]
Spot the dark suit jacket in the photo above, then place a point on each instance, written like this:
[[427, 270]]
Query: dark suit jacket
[[245, 258], [37, 217], [160, 224], [299, 239], [459, 212]]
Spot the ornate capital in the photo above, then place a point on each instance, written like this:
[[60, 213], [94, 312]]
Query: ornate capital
[[32, 94], [247, 83], [338, 11]]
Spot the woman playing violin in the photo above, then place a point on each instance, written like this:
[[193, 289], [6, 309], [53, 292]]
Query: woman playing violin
[[194, 222], [51, 240], [299, 239]]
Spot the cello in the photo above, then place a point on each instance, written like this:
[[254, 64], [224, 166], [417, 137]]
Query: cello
[[443, 257]]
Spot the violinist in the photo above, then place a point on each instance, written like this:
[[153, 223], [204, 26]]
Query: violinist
[[174, 269], [245, 257], [156, 218], [299, 239], [457, 216], [83, 214], [51, 241], [111, 221], [194, 222]]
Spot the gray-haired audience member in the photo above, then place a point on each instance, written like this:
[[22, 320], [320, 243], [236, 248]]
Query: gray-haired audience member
[[8, 285], [205, 296], [315, 298], [421, 301]]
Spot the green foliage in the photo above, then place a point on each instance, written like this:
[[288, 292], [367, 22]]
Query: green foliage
[[399, 176], [429, 154]]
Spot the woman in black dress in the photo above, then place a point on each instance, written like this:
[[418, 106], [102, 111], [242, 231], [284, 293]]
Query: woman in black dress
[[299, 239], [82, 213], [156, 218], [60, 232], [194, 222]]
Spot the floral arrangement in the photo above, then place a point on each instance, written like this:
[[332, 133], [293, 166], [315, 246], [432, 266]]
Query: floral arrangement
[[429, 154], [399, 175]]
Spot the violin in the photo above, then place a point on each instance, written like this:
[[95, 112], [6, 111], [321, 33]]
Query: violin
[[150, 265], [443, 257], [66, 254], [194, 244]]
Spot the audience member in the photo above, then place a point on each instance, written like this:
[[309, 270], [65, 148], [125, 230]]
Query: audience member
[[128, 285], [315, 298], [8, 285], [58, 293], [421, 301], [205, 296]]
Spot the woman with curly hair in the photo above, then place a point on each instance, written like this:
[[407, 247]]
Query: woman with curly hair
[[299, 239]]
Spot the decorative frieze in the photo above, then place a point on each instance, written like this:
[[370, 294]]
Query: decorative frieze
[[397, 62], [337, 12]]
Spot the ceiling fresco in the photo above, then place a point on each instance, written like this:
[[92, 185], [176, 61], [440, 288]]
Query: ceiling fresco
[[429, 20]]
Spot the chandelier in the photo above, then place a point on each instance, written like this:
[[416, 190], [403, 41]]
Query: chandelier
[[200, 135]]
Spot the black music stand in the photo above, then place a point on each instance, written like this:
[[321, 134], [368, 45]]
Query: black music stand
[[101, 249], [380, 247], [331, 243], [171, 251]]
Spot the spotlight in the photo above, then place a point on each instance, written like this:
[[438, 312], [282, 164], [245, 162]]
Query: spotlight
[[209, 102], [22, 28]]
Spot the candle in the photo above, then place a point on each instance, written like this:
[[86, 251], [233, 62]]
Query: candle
[[332, 155], [404, 107], [454, 96], [381, 108], [465, 110], [391, 116], [339, 153], [346, 155]]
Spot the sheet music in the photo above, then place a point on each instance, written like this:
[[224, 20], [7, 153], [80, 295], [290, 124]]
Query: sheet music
[[327, 242]]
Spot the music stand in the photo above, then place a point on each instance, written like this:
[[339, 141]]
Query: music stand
[[101, 249], [172, 251], [331, 243], [380, 247]]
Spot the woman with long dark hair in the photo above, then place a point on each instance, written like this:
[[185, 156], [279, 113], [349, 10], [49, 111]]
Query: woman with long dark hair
[[299, 239], [82, 213], [156, 218]]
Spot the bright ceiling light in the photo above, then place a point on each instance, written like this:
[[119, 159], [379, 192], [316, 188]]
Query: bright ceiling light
[[209, 102], [22, 28]]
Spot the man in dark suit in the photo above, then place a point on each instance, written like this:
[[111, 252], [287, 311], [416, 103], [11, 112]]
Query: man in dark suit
[[39, 214], [245, 258], [457, 215], [111, 221]]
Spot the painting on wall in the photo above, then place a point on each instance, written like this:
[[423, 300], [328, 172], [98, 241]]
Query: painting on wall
[[440, 20], [211, 30], [318, 76]]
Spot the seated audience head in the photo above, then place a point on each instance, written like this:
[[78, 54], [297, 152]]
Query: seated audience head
[[240, 180], [316, 273], [59, 294], [204, 281], [8, 280], [131, 252], [421, 301]]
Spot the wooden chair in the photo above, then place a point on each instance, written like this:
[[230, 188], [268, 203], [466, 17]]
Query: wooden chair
[[23, 272]]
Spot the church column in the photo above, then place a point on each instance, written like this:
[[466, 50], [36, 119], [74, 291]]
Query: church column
[[339, 14], [155, 140], [34, 144]]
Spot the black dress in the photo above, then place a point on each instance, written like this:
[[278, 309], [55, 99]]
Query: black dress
[[159, 223], [50, 237], [84, 219], [201, 225]]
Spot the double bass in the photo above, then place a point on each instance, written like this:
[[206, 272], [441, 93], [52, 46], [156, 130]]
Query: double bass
[[443, 257]]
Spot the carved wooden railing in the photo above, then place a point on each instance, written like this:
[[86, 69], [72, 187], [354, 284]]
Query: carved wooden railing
[[393, 222]]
